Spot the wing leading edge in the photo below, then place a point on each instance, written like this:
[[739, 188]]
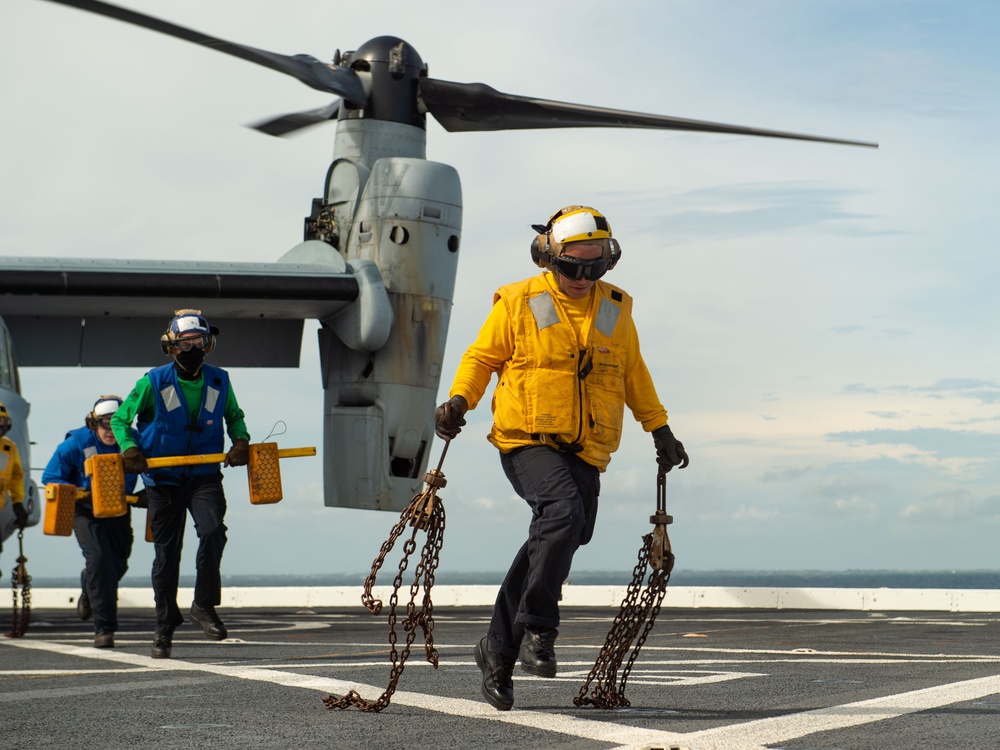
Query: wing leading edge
[[111, 313]]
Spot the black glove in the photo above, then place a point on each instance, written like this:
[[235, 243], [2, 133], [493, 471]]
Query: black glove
[[449, 418], [239, 454], [141, 501], [133, 462], [669, 450], [20, 515]]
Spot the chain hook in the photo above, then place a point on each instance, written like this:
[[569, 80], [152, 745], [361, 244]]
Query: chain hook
[[661, 556]]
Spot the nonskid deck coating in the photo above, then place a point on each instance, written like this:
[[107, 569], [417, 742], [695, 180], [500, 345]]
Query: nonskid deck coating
[[706, 678]]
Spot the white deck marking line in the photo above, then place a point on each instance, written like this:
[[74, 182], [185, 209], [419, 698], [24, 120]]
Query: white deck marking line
[[136, 689], [62, 672], [641, 667], [753, 735], [756, 735], [799, 652], [601, 731]]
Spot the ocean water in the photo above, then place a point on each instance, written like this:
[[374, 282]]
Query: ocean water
[[863, 579]]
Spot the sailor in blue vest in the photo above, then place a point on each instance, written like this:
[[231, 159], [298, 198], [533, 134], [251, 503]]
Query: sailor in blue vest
[[179, 411], [106, 543]]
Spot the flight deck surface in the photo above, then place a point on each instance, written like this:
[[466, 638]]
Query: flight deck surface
[[705, 679]]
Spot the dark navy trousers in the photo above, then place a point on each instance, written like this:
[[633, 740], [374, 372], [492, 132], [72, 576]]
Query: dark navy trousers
[[169, 506], [561, 490], [106, 544]]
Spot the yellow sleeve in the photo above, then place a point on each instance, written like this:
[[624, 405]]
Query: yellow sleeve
[[493, 346], [640, 393], [16, 487]]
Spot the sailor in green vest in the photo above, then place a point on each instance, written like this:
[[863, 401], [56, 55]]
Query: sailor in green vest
[[179, 410]]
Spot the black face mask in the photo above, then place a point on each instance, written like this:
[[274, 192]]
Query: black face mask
[[189, 363]]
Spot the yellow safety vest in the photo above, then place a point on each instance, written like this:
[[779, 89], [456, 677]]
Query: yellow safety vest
[[554, 389]]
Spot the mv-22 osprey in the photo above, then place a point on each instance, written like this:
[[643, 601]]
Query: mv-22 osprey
[[377, 266]]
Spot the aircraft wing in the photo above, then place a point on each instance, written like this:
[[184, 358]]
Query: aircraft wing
[[110, 313]]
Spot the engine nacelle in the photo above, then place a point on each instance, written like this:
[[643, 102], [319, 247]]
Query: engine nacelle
[[379, 401]]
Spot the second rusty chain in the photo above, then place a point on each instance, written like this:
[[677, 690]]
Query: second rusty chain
[[424, 513]]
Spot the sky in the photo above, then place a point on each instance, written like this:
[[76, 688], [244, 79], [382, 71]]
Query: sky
[[819, 320]]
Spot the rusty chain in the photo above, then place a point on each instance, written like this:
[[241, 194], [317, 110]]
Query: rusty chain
[[636, 615], [19, 577], [424, 513]]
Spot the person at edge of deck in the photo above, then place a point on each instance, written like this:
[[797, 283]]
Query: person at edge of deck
[[11, 473]]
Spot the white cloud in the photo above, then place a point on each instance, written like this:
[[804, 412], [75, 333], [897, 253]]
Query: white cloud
[[945, 508], [754, 514]]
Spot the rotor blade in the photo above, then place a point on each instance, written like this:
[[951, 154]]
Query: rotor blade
[[294, 121], [310, 71], [463, 107]]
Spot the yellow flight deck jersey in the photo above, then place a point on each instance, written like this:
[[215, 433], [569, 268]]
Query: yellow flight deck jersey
[[566, 368], [11, 472]]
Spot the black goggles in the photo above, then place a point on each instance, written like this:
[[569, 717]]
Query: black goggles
[[104, 422], [575, 269]]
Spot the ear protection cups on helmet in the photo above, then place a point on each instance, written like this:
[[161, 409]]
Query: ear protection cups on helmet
[[540, 250], [616, 252]]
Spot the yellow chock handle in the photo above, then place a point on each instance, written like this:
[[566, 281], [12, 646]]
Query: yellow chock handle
[[108, 478], [215, 458], [204, 458]]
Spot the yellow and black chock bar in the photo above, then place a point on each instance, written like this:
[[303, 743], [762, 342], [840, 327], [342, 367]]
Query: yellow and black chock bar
[[107, 475]]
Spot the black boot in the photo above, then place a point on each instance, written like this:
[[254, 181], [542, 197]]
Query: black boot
[[162, 645], [498, 687], [208, 621], [83, 609], [538, 651]]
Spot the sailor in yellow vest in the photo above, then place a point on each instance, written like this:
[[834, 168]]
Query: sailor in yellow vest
[[11, 473], [566, 354]]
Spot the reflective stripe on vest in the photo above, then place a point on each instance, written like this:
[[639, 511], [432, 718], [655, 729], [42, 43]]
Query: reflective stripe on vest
[[544, 310], [607, 317], [170, 398], [211, 398]]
